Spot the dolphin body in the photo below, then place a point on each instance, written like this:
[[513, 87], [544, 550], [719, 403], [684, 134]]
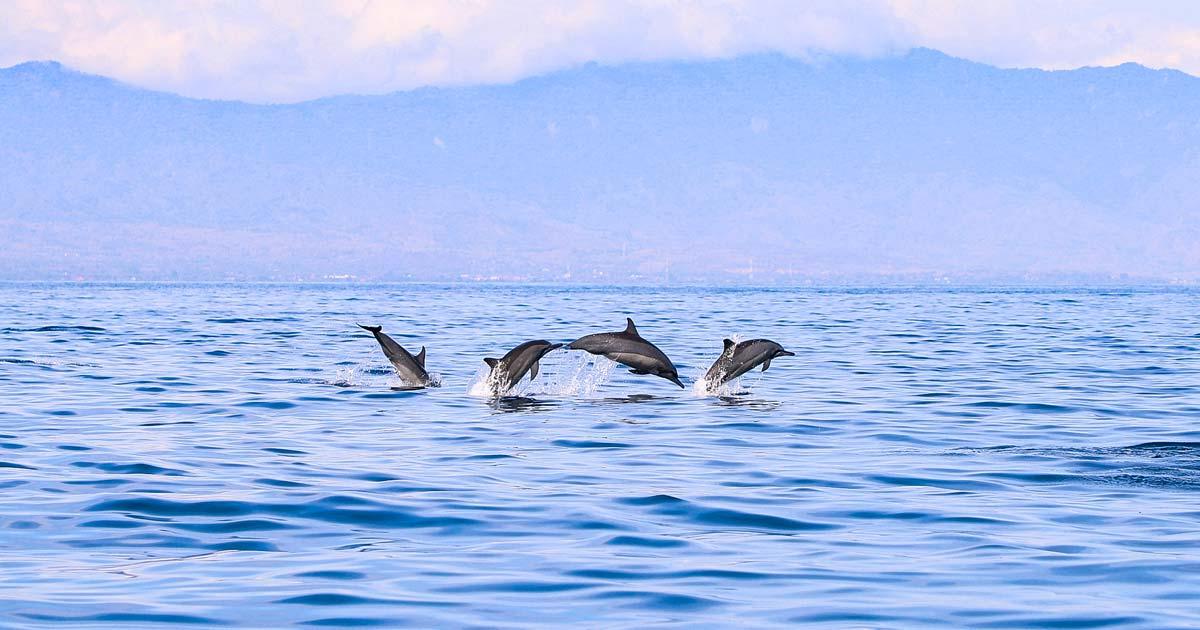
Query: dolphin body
[[410, 369], [737, 359], [509, 370], [628, 348]]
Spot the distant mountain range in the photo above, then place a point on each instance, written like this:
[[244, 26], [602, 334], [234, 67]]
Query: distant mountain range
[[760, 169]]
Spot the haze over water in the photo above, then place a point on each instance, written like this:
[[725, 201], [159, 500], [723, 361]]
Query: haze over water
[[234, 454]]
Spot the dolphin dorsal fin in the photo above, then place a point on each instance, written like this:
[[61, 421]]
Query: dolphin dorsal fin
[[491, 362], [630, 329], [728, 344], [421, 356]]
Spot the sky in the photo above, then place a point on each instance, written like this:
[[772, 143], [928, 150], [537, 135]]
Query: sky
[[293, 50]]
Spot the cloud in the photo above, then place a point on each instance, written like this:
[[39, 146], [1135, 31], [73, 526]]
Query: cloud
[[283, 50]]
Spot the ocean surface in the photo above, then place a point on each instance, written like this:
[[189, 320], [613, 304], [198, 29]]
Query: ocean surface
[[234, 454]]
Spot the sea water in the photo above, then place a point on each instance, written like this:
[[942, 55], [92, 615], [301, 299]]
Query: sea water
[[236, 454]]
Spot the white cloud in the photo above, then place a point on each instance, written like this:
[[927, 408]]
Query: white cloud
[[283, 50]]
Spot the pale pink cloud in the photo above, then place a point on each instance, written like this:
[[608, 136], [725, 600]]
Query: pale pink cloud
[[277, 50]]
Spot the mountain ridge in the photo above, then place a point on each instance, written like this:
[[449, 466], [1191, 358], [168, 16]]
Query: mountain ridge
[[921, 165], [50, 67]]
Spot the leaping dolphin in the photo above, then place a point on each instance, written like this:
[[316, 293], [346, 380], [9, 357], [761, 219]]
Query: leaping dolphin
[[628, 348], [509, 370], [737, 359], [410, 369]]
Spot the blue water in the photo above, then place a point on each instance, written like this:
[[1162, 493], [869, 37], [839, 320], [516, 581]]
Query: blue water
[[234, 454]]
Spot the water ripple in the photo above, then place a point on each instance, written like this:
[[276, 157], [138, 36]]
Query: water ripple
[[240, 455]]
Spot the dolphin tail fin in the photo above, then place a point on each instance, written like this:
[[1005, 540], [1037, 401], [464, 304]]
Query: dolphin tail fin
[[372, 329], [491, 362], [421, 356], [629, 327]]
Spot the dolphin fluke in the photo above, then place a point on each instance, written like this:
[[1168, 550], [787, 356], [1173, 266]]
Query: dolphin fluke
[[409, 368]]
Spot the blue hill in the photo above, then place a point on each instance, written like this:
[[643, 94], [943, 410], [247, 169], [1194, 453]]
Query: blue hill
[[761, 168]]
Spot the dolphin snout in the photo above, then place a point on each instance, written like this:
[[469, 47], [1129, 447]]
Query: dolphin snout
[[785, 353], [675, 379]]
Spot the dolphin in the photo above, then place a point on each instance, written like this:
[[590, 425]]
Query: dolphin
[[509, 370], [737, 359], [411, 369], [628, 348]]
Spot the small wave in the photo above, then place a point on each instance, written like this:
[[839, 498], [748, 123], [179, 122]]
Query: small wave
[[132, 618], [268, 404], [660, 601], [45, 362], [508, 404], [137, 468], [59, 328], [248, 320], [1171, 446], [590, 444], [643, 541], [331, 509], [724, 518]]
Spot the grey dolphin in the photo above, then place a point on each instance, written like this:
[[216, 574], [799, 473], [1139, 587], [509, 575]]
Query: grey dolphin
[[510, 369], [737, 359], [628, 348], [410, 369]]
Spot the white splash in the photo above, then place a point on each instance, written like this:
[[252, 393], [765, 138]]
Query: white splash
[[701, 388], [371, 375], [347, 376], [560, 374], [483, 384], [581, 375]]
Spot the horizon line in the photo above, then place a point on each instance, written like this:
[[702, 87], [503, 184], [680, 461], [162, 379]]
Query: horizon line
[[816, 59]]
